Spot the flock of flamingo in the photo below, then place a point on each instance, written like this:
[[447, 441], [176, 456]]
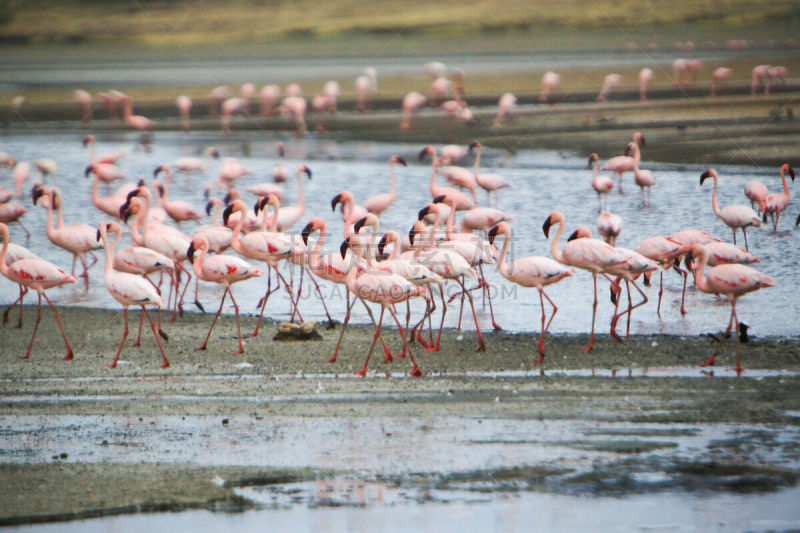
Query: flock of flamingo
[[420, 262]]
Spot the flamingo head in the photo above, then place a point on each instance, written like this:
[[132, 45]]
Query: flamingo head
[[498, 229], [580, 233], [638, 137], [305, 169], [710, 173], [629, 148], [425, 151], [37, 192], [473, 146], [226, 214], [344, 246], [88, 140], [427, 209], [159, 188], [593, 158], [398, 159], [382, 243], [87, 171], [554, 217], [190, 252], [789, 169], [210, 205], [343, 197], [359, 224], [159, 169]]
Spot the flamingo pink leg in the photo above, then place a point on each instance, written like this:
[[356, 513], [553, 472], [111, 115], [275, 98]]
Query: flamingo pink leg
[[540, 345], [221, 303], [481, 345], [344, 326], [125, 336], [165, 363], [23, 290]]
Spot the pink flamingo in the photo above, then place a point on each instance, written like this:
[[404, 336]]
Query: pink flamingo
[[217, 96], [550, 82], [440, 89], [735, 216], [77, 238], [601, 184], [379, 203], [225, 270], [230, 171], [15, 253], [533, 271], [610, 82], [195, 164], [505, 107], [489, 182], [218, 236], [385, 289], [20, 175], [296, 107], [178, 210], [610, 226], [269, 96], [107, 158], [688, 238], [460, 177], [84, 101], [461, 199], [775, 204], [756, 192], [109, 205], [366, 86], [645, 179], [279, 173], [39, 275], [731, 281], [760, 78], [230, 107], [412, 102], [719, 79], [128, 289], [623, 163], [664, 251], [184, 104], [137, 122], [645, 79], [587, 254], [13, 213], [107, 172], [288, 216]]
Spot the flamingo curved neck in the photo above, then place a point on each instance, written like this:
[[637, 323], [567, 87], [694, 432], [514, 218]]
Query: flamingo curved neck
[[199, 257], [434, 164], [785, 185], [301, 201], [6, 237], [699, 279], [556, 253], [502, 266], [432, 234], [714, 205], [108, 251], [393, 190], [394, 237], [314, 258], [477, 161]]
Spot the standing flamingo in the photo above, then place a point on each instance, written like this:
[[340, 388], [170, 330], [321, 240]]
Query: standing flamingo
[[756, 192], [623, 163], [128, 289], [505, 107], [550, 82], [178, 210], [269, 96], [610, 226], [731, 281], [735, 216], [366, 86], [296, 107], [223, 269], [588, 254], [184, 104], [664, 251], [279, 173], [109, 157], [601, 184], [13, 213], [489, 182], [719, 78], [645, 79], [775, 204], [645, 179], [289, 215], [610, 82], [137, 122], [379, 203], [533, 271], [39, 275], [84, 101], [461, 199], [412, 102], [15, 253]]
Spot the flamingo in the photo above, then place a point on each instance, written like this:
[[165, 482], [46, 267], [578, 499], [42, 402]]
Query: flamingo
[[84, 101], [756, 192], [77, 238], [490, 183], [550, 82], [195, 164], [225, 270], [461, 200], [735, 216], [412, 102], [20, 175], [775, 204], [10, 212], [505, 107], [269, 96], [731, 281], [601, 184], [610, 226], [688, 238], [684, 71], [664, 251], [645, 79], [760, 78], [623, 163], [532, 271], [217, 96], [230, 171], [128, 289], [645, 179], [385, 289], [351, 212], [107, 172], [719, 78], [366, 86], [108, 158], [440, 89], [296, 107], [184, 105], [592, 255], [279, 173], [288, 216], [137, 122], [379, 203], [610, 82], [178, 210], [109, 205], [230, 107], [217, 235], [15, 253], [39, 275]]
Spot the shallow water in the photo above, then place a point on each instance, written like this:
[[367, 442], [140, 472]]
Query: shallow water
[[542, 181]]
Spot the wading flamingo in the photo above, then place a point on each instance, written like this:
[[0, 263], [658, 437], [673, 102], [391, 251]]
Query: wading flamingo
[[461, 199], [592, 255], [39, 275], [505, 107], [379, 203], [289, 215], [645, 79], [184, 105], [137, 122], [178, 210], [731, 281], [735, 216], [623, 163], [775, 204], [756, 192], [489, 182], [223, 269], [609, 225], [550, 82], [645, 179], [664, 251], [412, 102], [601, 184], [532, 271], [13, 213], [15, 253], [128, 289], [719, 79]]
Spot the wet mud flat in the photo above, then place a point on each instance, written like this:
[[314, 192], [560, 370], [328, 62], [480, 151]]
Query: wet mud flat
[[279, 427]]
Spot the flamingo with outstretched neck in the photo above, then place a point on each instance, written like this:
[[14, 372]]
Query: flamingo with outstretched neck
[[775, 204], [734, 216], [380, 202]]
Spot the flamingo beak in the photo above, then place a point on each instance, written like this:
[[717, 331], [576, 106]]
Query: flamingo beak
[[546, 227], [628, 150], [381, 244], [401, 160], [209, 205], [591, 160], [492, 234], [307, 232], [439, 199], [335, 201], [226, 214], [190, 252], [423, 153], [343, 248], [360, 224], [157, 170], [574, 236], [642, 141], [423, 212], [307, 171], [704, 175], [472, 147], [36, 192], [412, 232], [791, 173], [98, 236], [87, 171], [125, 212]]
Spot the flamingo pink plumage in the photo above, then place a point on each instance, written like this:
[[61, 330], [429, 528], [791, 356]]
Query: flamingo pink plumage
[[412, 102], [775, 204], [734, 216], [137, 122], [756, 192], [505, 106], [645, 79], [178, 210], [610, 226], [39, 275], [10, 212], [379, 203], [489, 182], [461, 200], [601, 184], [623, 163], [645, 179]]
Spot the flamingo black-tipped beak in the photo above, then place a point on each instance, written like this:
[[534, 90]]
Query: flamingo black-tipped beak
[[157, 171], [125, 212], [791, 173], [401, 160], [492, 234], [589, 164], [227, 199], [160, 189], [190, 253], [642, 141], [423, 212], [335, 201], [381, 244], [439, 199], [307, 232], [359, 224], [259, 205], [36, 192], [226, 214], [209, 205], [98, 236], [704, 175], [423, 153], [797, 222], [472, 146], [628, 150], [546, 227], [573, 236], [281, 151], [307, 171], [87, 171], [344, 246], [412, 233], [141, 183]]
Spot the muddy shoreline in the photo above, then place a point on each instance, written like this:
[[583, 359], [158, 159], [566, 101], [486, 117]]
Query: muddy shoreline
[[274, 381]]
